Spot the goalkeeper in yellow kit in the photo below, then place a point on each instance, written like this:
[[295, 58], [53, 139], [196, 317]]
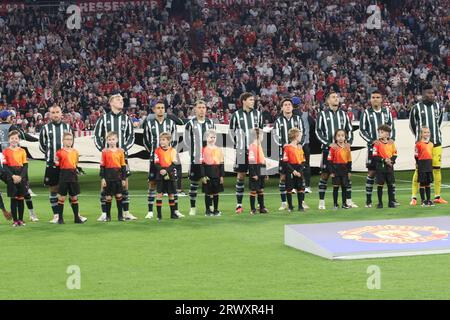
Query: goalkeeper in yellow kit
[[428, 113]]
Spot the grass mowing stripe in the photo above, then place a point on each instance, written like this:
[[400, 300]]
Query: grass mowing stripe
[[228, 257]]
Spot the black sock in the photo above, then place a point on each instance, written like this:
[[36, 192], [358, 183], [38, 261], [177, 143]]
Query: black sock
[[289, 199], [428, 193], [345, 194], [54, 202], [239, 192], [179, 175], [2, 204], [335, 195], [393, 191], [422, 193], [348, 195], [369, 188], [193, 193], [300, 197], [75, 209], [20, 208], [119, 207], [207, 202], [261, 200], [108, 208], [103, 201], [391, 197], [252, 201], [175, 202], [159, 208], [322, 189], [125, 200], [380, 194], [29, 202], [60, 209], [14, 209], [150, 199], [282, 187], [307, 175], [216, 202], [172, 206]]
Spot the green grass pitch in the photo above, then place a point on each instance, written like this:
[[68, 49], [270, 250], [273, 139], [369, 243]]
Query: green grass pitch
[[227, 257]]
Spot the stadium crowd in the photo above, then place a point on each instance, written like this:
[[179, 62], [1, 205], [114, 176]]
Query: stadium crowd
[[281, 48]]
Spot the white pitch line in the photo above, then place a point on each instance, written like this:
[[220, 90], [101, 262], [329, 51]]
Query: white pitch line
[[398, 180], [233, 194]]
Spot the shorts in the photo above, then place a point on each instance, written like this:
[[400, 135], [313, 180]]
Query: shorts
[[324, 164], [166, 186], [51, 177], [385, 177], [72, 188], [152, 172], [113, 187], [241, 162], [437, 157], [17, 190], [213, 186], [256, 185], [370, 164], [341, 180], [425, 178], [195, 172], [293, 182]]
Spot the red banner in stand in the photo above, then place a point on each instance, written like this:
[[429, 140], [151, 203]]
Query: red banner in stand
[[229, 3], [79, 133], [93, 6]]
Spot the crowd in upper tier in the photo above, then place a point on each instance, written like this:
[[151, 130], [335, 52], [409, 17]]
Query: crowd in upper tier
[[179, 55]]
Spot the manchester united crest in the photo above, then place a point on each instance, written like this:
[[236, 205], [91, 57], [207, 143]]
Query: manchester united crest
[[395, 234]]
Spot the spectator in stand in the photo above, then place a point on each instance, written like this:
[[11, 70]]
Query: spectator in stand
[[279, 48]]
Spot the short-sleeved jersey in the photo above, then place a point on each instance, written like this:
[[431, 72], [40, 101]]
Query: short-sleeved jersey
[[113, 159], [256, 154], [424, 150], [112, 165], [293, 155], [213, 162], [67, 159], [16, 157], [340, 155], [424, 156], [385, 150], [165, 158], [212, 155]]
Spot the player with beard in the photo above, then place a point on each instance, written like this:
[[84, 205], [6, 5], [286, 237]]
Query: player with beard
[[328, 122]]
